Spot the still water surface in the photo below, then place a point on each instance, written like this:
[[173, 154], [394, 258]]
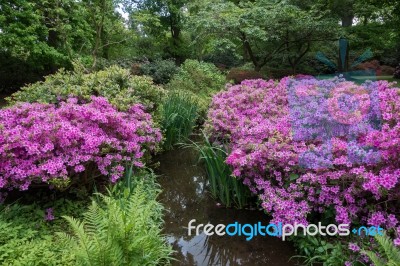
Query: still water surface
[[185, 197]]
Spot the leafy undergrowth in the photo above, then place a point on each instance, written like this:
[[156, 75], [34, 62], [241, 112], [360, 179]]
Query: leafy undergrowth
[[27, 232], [122, 228]]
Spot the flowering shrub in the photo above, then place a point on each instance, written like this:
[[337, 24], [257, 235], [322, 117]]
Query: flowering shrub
[[54, 144], [372, 65], [303, 146]]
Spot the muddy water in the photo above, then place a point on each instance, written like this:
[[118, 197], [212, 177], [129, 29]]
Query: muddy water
[[185, 197]]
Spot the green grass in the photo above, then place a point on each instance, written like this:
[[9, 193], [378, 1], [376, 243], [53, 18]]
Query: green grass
[[179, 115]]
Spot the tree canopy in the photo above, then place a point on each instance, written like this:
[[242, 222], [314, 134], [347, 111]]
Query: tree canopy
[[39, 37]]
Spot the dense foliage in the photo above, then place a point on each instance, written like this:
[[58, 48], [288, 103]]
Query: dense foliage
[[391, 255], [55, 144], [160, 70], [108, 68], [37, 38], [27, 236], [292, 144], [266, 30], [201, 80], [114, 83], [121, 229]]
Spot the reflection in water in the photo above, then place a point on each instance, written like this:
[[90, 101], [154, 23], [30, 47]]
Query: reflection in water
[[185, 198]]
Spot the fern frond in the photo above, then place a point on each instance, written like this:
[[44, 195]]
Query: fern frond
[[374, 258], [392, 253]]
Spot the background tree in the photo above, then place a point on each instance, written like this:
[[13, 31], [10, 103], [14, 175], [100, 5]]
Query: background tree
[[266, 30], [24, 43], [162, 19]]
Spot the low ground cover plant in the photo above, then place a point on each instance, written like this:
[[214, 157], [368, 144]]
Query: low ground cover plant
[[121, 227], [27, 231]]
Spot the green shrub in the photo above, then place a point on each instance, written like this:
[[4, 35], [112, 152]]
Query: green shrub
[[160, 70], [124, 230], [179, 115], [201, 79], [223, 185], [116, 84]]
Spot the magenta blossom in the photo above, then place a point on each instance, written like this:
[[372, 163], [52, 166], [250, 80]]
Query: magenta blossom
[[54, 144], [306, 145]]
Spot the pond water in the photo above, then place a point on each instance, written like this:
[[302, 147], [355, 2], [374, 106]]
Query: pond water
[[185, 197]]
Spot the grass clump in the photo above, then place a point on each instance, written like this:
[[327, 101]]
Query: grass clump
[[224, 187], [178, 118]]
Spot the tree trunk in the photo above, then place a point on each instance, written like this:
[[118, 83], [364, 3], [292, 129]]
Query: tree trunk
[[99, 29], [294, 62], [249, 52], [347, 20], [175, 29], [105, 50]]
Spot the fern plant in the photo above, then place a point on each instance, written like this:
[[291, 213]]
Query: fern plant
[[389, 254], [112, 233]]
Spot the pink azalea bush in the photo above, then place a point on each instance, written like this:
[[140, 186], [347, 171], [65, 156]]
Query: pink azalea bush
[[55, 144], [303, 150]]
